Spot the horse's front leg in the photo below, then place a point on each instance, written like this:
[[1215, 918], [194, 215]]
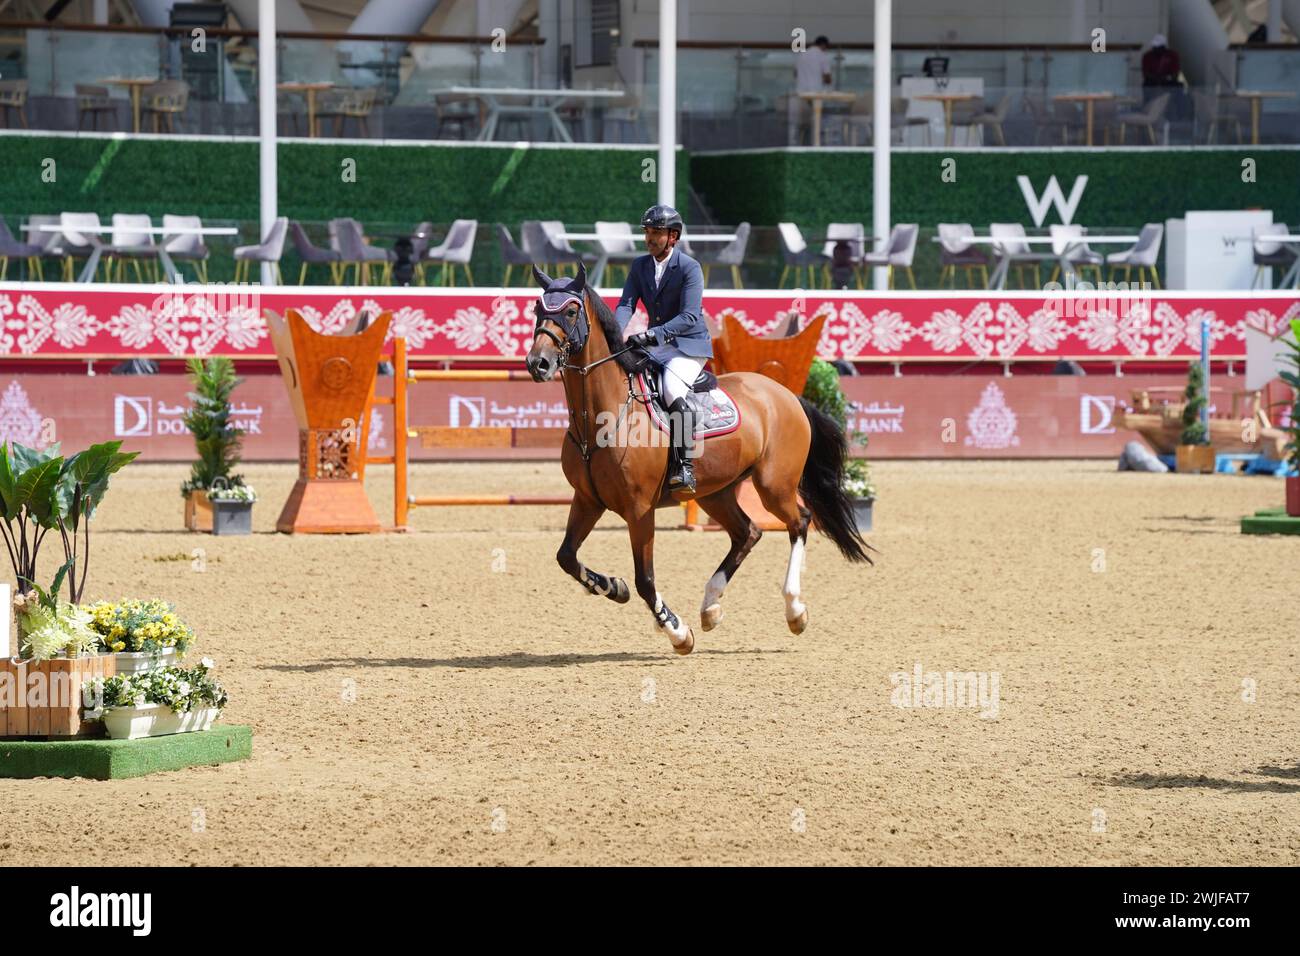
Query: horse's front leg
[[642, 532], [583, 515]]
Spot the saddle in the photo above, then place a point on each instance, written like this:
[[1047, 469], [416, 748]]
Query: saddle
[[715, 412]]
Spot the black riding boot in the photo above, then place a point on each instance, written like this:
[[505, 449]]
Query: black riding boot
[[681, 479]]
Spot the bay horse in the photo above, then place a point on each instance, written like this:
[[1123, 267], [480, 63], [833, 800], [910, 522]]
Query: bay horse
[[787, 446]]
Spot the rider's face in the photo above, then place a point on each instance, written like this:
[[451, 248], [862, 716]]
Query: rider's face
[[658, 241]]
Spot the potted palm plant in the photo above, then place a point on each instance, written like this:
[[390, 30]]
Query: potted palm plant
[[1292, 377], [823, 390], [1194, 453], [215, 438]]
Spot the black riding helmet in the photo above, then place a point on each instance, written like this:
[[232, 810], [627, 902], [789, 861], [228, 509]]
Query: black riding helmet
[[663, 217]]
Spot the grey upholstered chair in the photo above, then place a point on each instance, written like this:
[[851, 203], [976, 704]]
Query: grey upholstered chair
[[956, 251], [1143, 254], [511, 254], [268, 250], [455, 250], [347, 237], [899, 253], [28, 252], [797, 255], [1009, 244], [731, 256], [313, 255]]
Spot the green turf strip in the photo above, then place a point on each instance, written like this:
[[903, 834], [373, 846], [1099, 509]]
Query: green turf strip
[[116, 759], [1270, 521]]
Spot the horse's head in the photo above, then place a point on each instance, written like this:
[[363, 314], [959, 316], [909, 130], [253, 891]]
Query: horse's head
[[562, 328]]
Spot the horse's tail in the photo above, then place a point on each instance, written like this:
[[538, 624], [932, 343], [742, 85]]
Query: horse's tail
[[821, 486]]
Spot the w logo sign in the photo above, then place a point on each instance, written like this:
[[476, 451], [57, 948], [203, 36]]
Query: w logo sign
[[1053, 196]]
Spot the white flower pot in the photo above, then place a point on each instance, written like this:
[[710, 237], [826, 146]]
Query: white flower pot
[[156, 720], [140, 662]]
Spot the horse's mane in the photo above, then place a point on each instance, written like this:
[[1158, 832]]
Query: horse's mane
[[630, 362]]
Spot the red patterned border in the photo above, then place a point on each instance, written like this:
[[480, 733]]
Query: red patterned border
[[63, 320]]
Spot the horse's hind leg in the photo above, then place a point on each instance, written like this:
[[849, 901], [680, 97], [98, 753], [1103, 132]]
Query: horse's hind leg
[[778, 489], [583, 515], [642, 533], [724, 509]]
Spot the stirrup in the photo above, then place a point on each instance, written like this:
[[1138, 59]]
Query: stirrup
[[683, 479]]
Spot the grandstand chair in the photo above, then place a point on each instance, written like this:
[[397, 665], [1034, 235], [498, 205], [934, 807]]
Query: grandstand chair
[[731, 256], [1043, 119], [619, 243], [1149, 116], [1063, 237], [1213, 111], [80, 245], [538, 244], [268, 250], [456, 250], [1269, 253], [973, 114], [188, 246], [349, 104], [51, 243], [1143, 254], [11, 248], [856, 234], [957, 252], [164, 100], [13, 96], [92, 101], [313, 255], [133, 242], [511, 254], [797, 255], [1020, 254], [899, 253], [346, 236]]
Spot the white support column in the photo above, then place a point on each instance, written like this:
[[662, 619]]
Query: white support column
[[668, 102], [1274, 21], [99, 12], [266, 118], [882, 91]]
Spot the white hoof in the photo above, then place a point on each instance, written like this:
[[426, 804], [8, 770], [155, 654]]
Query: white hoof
[[799, 622], [710, 616]]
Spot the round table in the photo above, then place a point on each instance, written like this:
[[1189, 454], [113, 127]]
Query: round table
[[135, 84]]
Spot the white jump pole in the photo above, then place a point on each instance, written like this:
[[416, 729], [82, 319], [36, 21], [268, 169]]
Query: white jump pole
[[266, 118], [668, 102], [882, 89]]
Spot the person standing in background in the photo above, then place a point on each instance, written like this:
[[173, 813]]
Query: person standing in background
[[812, 74]]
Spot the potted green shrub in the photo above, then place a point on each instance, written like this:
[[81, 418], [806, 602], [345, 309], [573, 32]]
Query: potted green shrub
[[1292, 377], [823, 390], [216, 440], [232, 508], [1194, 453]]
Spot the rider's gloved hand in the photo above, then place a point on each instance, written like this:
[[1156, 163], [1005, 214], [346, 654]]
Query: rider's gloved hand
[[643, 340]]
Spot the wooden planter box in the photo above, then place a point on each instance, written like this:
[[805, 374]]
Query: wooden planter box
[[43, 698], [1195, 459], [1293, 496], [198, 511]]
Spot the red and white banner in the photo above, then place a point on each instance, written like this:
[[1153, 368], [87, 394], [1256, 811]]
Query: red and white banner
[[913, 416], [69, 320]]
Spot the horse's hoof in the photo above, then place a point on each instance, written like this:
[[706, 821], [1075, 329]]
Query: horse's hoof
[[620, 594], [798, 624], [686, 646], [710, 616]]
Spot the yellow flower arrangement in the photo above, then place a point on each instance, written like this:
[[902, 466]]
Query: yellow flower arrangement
[[139, 625]]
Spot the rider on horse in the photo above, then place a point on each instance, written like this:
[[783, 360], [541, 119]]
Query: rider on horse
[[670, 285]]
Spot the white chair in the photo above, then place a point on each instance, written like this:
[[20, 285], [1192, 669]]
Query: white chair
[[1009, 244], [268, 250], [899, 253], [619, 243], [1070, 239], [76, 243], [797, 255], [956, 251], [186, 246], [132, 241], [856, 234], [1143, 254]]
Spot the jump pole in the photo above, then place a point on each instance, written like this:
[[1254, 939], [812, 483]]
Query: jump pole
[[404, 377]]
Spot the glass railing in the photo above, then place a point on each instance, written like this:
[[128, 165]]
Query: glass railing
[[729, 97]]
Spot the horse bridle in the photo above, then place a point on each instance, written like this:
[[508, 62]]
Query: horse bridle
[[581, 325]]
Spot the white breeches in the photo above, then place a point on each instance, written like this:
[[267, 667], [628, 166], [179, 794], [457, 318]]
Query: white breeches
[[680, 373]]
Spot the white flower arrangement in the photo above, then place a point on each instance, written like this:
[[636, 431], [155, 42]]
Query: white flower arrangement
[[180, 688], [232, 493]]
